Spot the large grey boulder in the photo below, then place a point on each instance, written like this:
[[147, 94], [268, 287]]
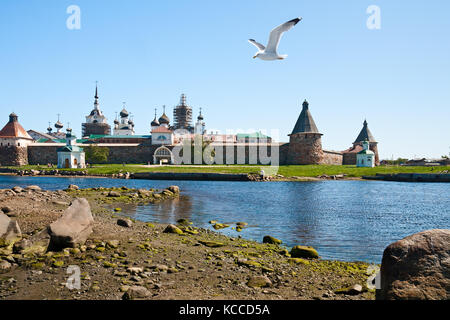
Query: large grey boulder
[[73, 227], [417, 267], [9, 230]]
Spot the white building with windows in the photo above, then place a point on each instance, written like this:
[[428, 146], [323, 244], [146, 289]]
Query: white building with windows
[[366, 157], [163, 136], [71, 156]]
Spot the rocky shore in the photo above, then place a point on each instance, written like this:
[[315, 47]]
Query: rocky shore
[[173, 176], [119, 258]]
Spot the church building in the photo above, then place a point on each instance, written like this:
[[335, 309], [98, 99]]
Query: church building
[[96, 123], [124, 126], [71, 156]]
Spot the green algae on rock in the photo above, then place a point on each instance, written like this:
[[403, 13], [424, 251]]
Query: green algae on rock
[[172, 229], [304, 252], [271, 240], [211, 244]]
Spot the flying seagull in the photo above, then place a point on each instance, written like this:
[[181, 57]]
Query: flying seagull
[[270, 52]]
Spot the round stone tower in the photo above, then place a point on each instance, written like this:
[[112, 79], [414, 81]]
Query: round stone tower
[[305, 142], [14, 141]]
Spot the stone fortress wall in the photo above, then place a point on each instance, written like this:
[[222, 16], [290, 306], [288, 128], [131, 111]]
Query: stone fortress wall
[[13, 156]]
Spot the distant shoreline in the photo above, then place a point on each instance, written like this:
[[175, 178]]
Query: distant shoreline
[[232, 172]]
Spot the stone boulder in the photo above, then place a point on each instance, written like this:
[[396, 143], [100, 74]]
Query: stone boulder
[[173, 229], [304, 252], [36, 244], [73, 227], [9, 231], [137, 293], [114, 194], [127, 223], [417, 267], [17, 189], [174, 189], [271, 240], [33, 188], [259, 282]]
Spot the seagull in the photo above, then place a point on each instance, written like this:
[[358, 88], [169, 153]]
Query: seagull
[[270, 53]]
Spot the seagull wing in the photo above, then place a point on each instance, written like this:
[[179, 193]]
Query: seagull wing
[[257, 44], [275, 34]]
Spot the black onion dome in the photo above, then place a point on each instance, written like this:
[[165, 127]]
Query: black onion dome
[[155, 123], [116, 121], [124, 113], [164, 119], [59, 125]]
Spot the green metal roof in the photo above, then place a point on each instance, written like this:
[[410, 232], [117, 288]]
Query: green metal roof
[[366, 152], [258, 135], [70, 149]]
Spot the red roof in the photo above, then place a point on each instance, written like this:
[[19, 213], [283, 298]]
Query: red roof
[[355, 149], [13, 129], [161, 129]]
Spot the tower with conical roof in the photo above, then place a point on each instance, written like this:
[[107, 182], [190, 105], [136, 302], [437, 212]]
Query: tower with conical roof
[[182, 115], [14, 141], [305, 141], [96, 123], [366, 135]]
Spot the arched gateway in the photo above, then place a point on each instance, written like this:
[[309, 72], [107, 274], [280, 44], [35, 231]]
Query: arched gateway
[[162, 155]]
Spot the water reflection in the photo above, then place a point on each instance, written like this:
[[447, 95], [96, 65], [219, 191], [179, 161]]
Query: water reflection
[[344, 220]]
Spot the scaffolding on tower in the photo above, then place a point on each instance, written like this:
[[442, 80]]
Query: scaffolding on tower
[[182, 115]]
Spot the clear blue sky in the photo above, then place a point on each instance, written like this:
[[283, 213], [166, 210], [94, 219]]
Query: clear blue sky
[[149, 52]]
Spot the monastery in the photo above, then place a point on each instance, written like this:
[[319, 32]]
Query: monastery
[[20, 147]]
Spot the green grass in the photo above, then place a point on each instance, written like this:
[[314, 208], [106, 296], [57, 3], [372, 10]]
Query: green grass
[[287, 171]]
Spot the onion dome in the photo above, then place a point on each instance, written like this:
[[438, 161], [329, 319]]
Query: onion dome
[[116, 121], [164, 119], [49, 129], [200, 116], [130, 122], [124, 113], [59, 125], [155, 123]]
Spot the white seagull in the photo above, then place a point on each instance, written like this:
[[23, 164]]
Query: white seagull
[[270, 52]]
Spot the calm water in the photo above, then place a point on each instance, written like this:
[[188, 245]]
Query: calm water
[[344, 220]]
